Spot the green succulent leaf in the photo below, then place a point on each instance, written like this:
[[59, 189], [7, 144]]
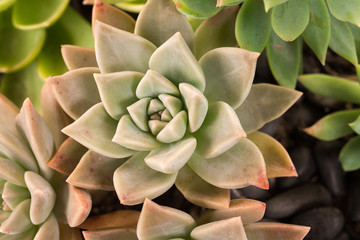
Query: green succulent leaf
[[265, 103], [197, 8], [231, 228], [15, 55], [349, 155], [117, 91], [133, 6], [183, 68], [49, 229], [112, 44], [174, 130], [169, 158], [330, 86], [317, 32], [37, 14], [12, 172], [110, 233], [94, 172], [279, 231], [148, 183], [284, 59], [171, 103], [95, 130], [253, 26], [345, 11], [217, 31], [334, 125], [243, 159], [229, 74], [87, 94], [156, 126], [342, 40], [272, 3], [199, 192], [13, 194], [78, 57], [138, 113], [19, 219], [356, 125], [222, 3], [8, 111], [220, 131], [157, 25], [5, 4]]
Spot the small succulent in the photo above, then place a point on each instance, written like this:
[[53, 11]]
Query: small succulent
[[152, 114], [341, 123], [30, 190], [238, 222]]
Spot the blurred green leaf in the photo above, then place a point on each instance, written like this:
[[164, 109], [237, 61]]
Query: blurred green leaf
[[272, 3], [253, 26], [290, 19], [131, 6], [71, 29], [349, 155], [197, 8], [5, 4], [347, 11], [356, 125], [36, 14], [223, 3], [284, 59], [356, 34], [317, 32], [333, 126], [17, 47], [329, 86]]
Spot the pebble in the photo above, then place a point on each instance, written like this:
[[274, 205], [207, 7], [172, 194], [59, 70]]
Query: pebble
[[354, 199], [297, 199], [326, 223], [258, 193]]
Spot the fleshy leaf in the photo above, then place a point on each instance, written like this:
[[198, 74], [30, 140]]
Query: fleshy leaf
[[174, 130], [198, 8], [117, 91], [220, 131], [134, 6], [19, 220], [199, 192], [265, 103], [330, 86], [87, 95], [166, 116], [272, 3], [221, 3], [138, 113], [94, 130], [253, 26], [130, 136], [160, 222], [94, 172], [249, 210], [118, 50], [154, 84], [196, 104], [8, 111], [284, 59], [240, 166], [228, 229], [5, 4], [216, 32], [169, 158], [279, 231], [38, 134], [12, 172], [334, 125], [49, 229], [229, 74], [156, 126], [182, 68], [78, 57], [155, 106], [147, 183], [42, 197], [111, 233], [345, 12], [173, 104], [317, 32], [15, 55], [356, 125], [349, 155], [14, 194], [113, 16], [157, 25], [277, 160], [290, 19]]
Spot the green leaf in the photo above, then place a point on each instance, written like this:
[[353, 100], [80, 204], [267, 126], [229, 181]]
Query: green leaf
[[138, 113], [13, 194], [253, 26], [197, 8], [78, 57], [175, 129], [157, 25], [18, 47], [19, 220], [5, 4], [37, 14], [349, 155], [49, 229], [229, 74], [345, 11], [334, 125], [217, 31], [173, 104], [133, 188], [278, 231], [72, 29], [356, 125], [272, 3], [134, 6], [12, 172], [317, 32], [284, 59], [8, 111], [342, 40], [265, 103], [222, 3], [244, 159], [330, 86]]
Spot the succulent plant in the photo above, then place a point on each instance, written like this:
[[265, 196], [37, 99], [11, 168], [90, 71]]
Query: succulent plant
[[134, 6], [30, 190], [341, 123], [281, 25], [151, 114], [239, 221]]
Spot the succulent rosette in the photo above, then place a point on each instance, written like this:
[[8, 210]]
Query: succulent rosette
[[153, 114], [31, 208]]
